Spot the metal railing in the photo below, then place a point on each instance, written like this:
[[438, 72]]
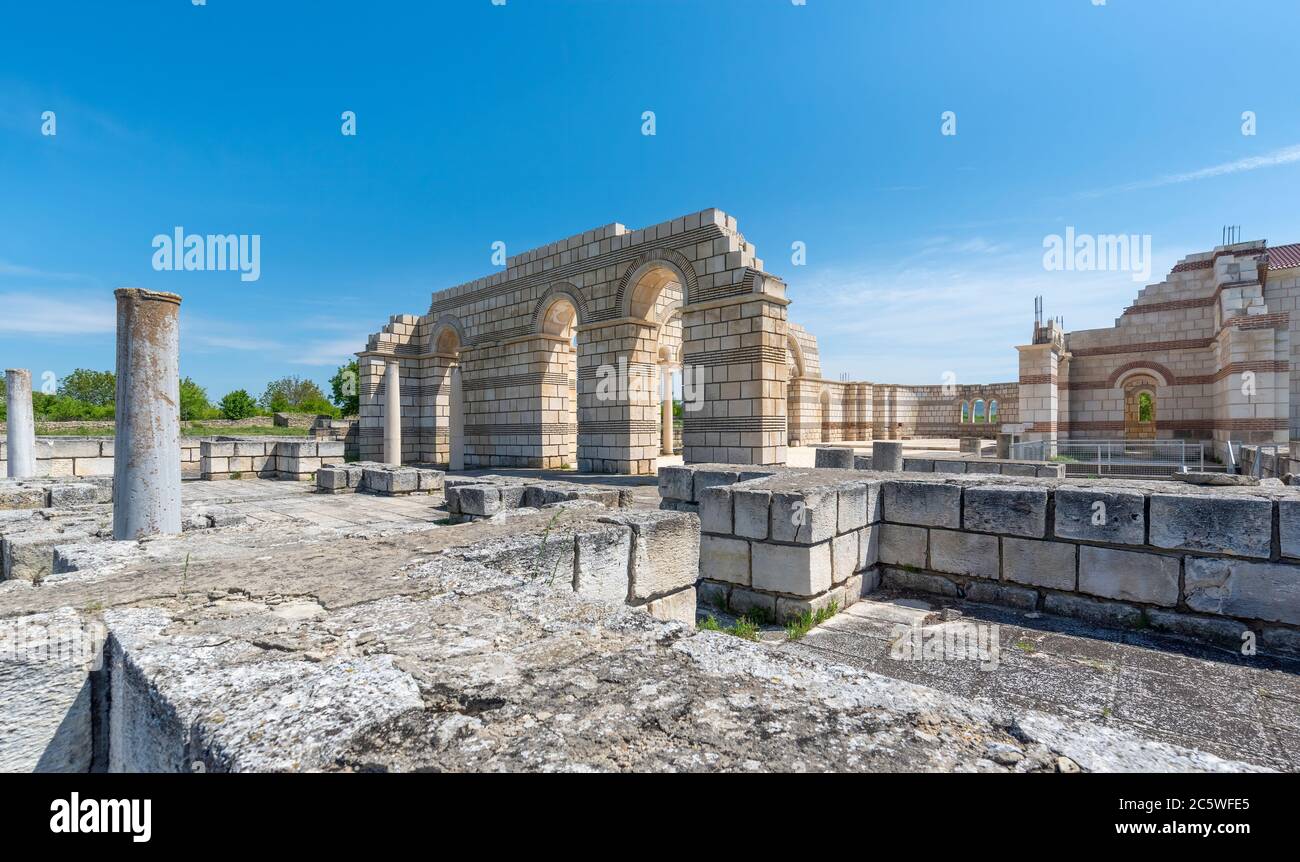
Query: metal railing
[[1120, 458]]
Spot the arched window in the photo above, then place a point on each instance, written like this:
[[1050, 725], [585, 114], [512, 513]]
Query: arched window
[[1146, 407], [993, 411], [979, 410], [965, 412]]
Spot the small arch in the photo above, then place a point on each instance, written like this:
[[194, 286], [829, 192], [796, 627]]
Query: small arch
[[556, 292], [965, 413], [977, 413], [1163, 376], [673, 262], [445, 330], [993, 411], [794, 355]]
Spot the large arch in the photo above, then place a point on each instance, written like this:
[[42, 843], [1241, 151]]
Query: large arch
[[662, 265], [553, 294]]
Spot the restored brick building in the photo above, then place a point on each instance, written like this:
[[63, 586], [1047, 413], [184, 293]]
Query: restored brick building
[[1204, 354]]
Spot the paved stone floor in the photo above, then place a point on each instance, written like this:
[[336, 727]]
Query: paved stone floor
[[1161, 687], [269, 502]]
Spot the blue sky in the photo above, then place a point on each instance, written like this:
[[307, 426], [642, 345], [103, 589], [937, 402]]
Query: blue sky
[[818, 123]]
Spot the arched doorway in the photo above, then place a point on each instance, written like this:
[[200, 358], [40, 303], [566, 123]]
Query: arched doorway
[[1140, 407], [559, 320], [449, 401]]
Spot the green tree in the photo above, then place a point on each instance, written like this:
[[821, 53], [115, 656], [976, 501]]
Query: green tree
[[194, 401], [290, 393], [345, 388], [238, 405], [97, 388]]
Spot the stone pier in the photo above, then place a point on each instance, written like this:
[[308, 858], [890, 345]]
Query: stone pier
[[887, 456], [21, 440], [147, 447]]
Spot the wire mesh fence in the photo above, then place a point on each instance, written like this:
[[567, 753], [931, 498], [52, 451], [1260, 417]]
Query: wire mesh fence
[[1121, 458]]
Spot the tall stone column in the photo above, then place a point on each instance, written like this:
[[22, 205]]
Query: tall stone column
[[456, 423], [21, 432], [147, 445], [393, 413], [666, 413]]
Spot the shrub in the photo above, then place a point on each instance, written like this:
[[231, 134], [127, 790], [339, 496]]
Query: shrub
[[194, 401], [238, 405], [345, 388]]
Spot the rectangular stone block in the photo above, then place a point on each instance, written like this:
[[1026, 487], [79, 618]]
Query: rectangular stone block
[[750, 513], [1215, 524], [712, 593], [1112, 614], [844, 556], [1116, 517], [1288, 522], [1019, 470], [723, 559], [807, 517], [1236, 588], [22, 497], [996, 593], [676, 607], [601, 559], [1128, 575], [869, 546], [946, 466], [788, 609], [475, 499], [1006, 509], [712, 478], [856, 504], [67, 494], [903, 579], [959, 553], [746, 602], [918, 465], [1042, 564], [902, 546], [665, 552], [677, 483], [927, 504], [799, 570], [715, 510]]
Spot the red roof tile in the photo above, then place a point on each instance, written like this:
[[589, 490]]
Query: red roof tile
[[1284, 256]]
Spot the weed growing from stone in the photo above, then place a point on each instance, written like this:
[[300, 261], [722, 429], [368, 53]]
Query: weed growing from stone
[[804, 622], [744, 628]]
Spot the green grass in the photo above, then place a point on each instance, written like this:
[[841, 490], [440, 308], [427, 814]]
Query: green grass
[[1063, 459], [746, 627], [802, 624], [188, 429]]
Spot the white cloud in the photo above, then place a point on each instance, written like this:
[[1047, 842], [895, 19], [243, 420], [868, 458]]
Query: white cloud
[[33, 314], [1284, 156], [333, 353]]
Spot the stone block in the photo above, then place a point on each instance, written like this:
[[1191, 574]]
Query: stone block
[[22, 497], [29, 556], [715, 510], [788, 609], [918, 465], [751, 513], [430, 480], [67, 494], [218, 449], [1216, 524], [712, 593], [1236, 588], [799, 570], [903, 579], [665, 552], [984, 467], [844, 556], [600, 561], [1014, 469], [927, 504], [869, 546], [388, 480], [1288, 523], [746, 602], [677, 483], [854, 589], [887, 456], [946, 466], [996, 593], [1128, 575], [1006, 509], [902, 546], [712, 478], [675, 607], [1119, 519], [835, 457], [723, 559], [958, 553], [855, 501], [807, 517], [476, 499], [1039, 563], [1110, 614], [1213, 629]]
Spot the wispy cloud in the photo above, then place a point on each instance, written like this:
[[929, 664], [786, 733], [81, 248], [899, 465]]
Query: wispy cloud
[[334, 352], [1284, 156], [33, 314]]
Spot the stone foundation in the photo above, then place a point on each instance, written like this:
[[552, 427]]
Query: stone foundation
[[292, 459]]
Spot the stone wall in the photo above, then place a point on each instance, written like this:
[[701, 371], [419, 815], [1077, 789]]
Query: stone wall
[[289, 458], [63, 457], [1210, 562]]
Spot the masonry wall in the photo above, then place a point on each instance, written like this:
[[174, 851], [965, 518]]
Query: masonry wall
[[62, 457], [1175, 557], [728, 321]]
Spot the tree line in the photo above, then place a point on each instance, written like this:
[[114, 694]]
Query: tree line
[[88, 395]]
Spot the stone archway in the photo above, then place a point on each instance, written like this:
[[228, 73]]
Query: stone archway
[[1140, 415]]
